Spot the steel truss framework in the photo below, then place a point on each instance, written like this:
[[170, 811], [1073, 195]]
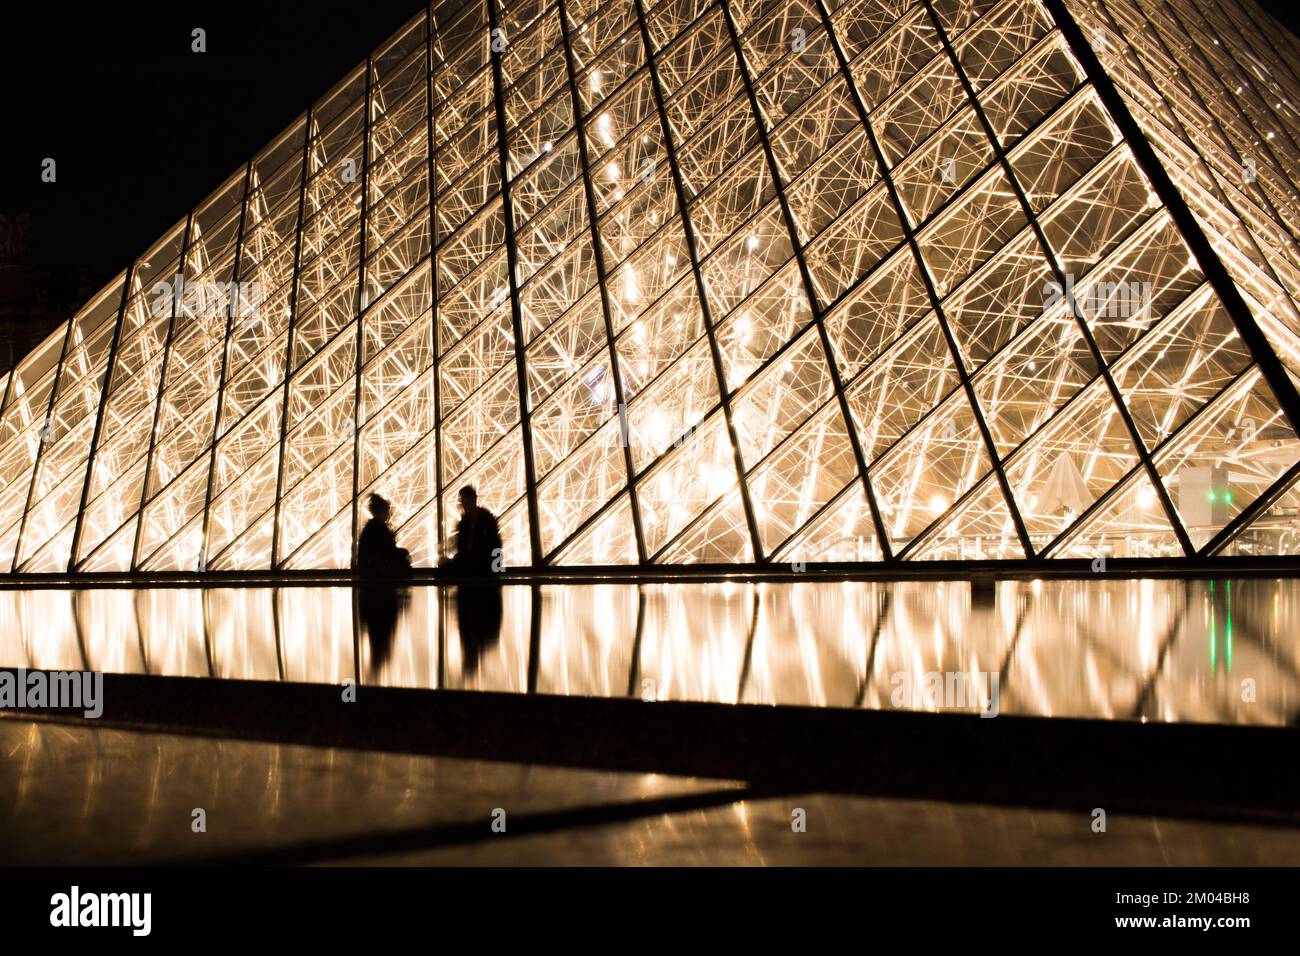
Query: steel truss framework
[[711, 281]]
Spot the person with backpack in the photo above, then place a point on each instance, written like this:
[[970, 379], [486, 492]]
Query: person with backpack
[[378, 555], [478, 539]]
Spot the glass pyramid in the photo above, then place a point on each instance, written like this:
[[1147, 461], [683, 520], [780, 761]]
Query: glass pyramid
[[690, 281]]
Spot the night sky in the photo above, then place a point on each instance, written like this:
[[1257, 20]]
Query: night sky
[[142, 128]]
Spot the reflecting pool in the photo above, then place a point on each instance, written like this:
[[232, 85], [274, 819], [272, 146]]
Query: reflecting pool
[[1222, 651]]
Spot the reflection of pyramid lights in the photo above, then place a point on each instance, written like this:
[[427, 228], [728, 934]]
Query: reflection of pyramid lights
[[937, 504], [752, 243], [612, 172], [631, 291], [547, 146], [743, 329], [595, 78], [606, 133]]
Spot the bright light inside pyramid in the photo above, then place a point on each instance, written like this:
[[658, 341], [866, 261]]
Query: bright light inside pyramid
[[719, 479], [660, 427]]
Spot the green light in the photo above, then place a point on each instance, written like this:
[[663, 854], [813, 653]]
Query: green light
[[1211, 495], [1227, 496], [1227, 636]]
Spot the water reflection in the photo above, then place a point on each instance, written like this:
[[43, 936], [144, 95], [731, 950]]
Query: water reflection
[[1222, 651], [478, 615], [378, 607]]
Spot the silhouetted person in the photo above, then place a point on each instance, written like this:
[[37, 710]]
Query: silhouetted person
[[478, 539], [378, 555], [478, 555]]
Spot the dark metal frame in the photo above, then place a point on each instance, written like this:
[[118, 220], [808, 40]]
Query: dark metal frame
[[512, 264], [43, 438], [1117, 398], [178, 296], [706, 310], [806, 277], [109, 368], [1229, 532], [1208, 261], [598, 251], [357, 308], [431, 171], [784, 348], [932, 293], [1183, 134], [289, 337]]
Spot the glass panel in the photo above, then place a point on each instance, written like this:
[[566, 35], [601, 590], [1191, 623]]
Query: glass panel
[[1227, 457]]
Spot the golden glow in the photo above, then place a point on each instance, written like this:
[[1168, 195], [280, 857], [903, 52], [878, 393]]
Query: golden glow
[[1087, 648], [198, 430]]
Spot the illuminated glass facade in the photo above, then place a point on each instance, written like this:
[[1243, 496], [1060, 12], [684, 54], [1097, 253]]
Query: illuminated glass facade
[[711, 281]]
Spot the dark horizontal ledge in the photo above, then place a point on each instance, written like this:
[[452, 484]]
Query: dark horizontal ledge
[[1196, 770], [1080, 568]]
